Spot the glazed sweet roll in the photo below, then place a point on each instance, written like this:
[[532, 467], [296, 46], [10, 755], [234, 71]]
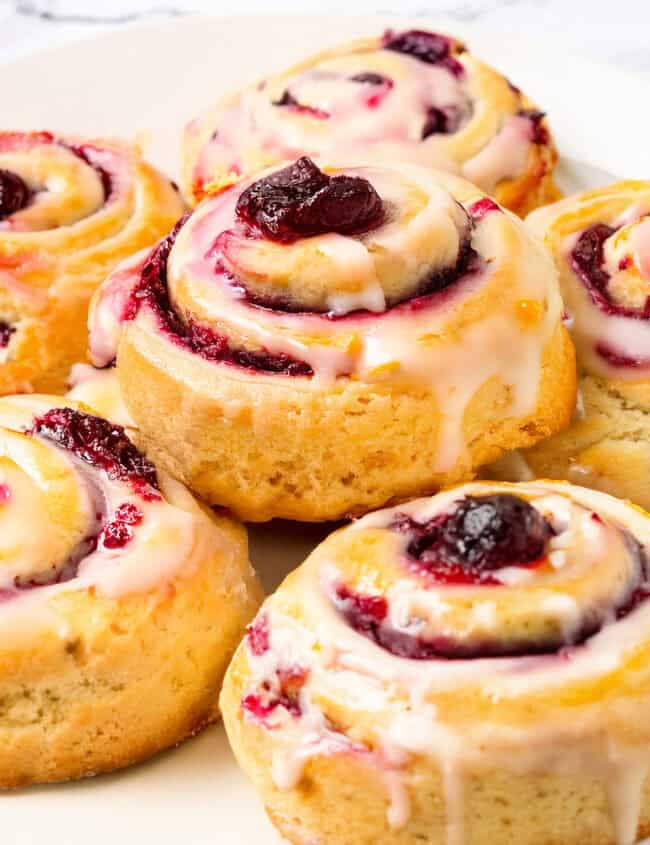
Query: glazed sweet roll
[[470, 668], [409, 96], [70, 211], [601, 243], [321, 341], [122, 598]]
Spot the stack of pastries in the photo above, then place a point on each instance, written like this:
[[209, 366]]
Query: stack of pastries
[[347, 312]]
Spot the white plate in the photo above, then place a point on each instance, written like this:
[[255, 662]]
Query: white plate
[[152, 79]]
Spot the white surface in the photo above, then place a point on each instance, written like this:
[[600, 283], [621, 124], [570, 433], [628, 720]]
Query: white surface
[[153, 79]]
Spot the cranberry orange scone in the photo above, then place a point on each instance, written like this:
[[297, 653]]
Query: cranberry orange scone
[[320, 342], [70, 211], [601, 243], [469, 669], [411, 96], [122, 598]]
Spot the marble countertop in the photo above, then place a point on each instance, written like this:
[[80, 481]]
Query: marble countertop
[[608, 32]]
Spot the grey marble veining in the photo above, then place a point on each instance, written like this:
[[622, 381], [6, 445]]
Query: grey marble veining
[[617, 33]]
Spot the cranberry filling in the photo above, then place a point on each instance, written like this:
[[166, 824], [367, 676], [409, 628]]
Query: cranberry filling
[[199, 339], [300, 201], [425, 46], [14, 193], [99, 443], [258, 636], [539, 131], [482, 534], [587, 261], [287, 99], [369, 77], [6, 330], [441, 121], [117, 533], [481, 207], [283, 692]]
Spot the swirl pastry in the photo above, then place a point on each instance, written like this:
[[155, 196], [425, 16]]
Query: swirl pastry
[[601, 244], [70, 211], [410, 96], [321, 341], [470, 668], [121, 597]]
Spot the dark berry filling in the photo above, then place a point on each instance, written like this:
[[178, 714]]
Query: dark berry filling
[[283, 692], [301, 201], [14, 193], [101, 444], [441, 121], [587, 260], [429, 47], [117, 533], [198, 339], [539, 131], [6, 330], [368, 77], [481, 534], [287, 99]]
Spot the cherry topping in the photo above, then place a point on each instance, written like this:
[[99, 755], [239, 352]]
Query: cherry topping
[[14, 193], [6, 330], [99, 443], [301, 201], [482, 534], [429, 47]]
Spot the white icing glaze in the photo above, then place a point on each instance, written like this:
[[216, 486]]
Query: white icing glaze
[[504, 157], [350, 668]]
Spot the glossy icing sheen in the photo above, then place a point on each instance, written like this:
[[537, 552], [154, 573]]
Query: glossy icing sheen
[[610, 305], [516, 713], [388, 306], [370, 99], [59, 520]]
